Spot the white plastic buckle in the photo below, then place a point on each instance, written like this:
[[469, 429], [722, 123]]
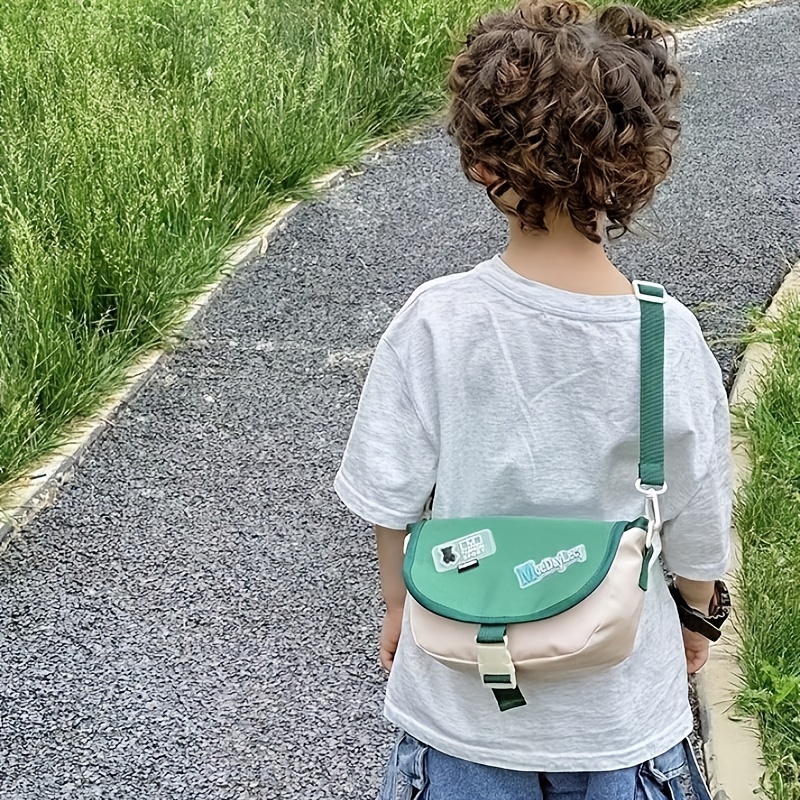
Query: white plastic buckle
[[652, 509], [495, 659], [649, 298]]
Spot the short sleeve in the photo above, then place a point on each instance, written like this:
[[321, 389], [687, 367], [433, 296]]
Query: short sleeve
[[389, 465], [697, 542]]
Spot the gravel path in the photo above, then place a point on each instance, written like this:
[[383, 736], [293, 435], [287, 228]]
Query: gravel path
[[197, 617]]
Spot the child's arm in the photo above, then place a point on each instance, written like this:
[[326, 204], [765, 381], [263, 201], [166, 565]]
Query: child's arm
[[697, 594], [388, 470], [696, 540], [390, 560]]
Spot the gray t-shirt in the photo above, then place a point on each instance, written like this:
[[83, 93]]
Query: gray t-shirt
[[516, 398]]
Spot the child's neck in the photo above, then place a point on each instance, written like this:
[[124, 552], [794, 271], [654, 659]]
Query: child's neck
[[563, 258]]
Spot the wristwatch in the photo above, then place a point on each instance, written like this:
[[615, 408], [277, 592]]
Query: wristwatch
[[707, 625]]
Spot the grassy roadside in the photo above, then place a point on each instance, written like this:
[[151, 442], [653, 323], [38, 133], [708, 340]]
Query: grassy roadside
[[768, 521], [139, 137]]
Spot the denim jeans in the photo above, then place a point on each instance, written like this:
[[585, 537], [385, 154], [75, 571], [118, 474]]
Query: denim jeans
[[418, 772]]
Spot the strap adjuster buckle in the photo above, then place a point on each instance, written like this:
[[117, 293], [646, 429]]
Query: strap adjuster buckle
[[494, 661], [646, 296], [652, 508]]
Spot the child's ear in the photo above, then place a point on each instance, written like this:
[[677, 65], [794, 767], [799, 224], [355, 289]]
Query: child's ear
[[499, 190], [480, 173]]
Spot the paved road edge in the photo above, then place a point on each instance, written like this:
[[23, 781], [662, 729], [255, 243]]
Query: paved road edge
[[39, 487], [731, 743]]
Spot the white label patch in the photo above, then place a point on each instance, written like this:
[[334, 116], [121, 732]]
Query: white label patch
[[532, 572], [451, 555]]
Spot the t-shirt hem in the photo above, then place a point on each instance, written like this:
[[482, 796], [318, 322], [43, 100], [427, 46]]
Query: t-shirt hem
[[552, 762], [368, 511], [705, 572]]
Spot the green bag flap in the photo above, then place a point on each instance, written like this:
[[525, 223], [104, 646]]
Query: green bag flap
[[508, 569]]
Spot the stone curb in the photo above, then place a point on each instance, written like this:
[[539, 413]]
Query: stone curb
[[731, 743], [720, 14], [38, 489]]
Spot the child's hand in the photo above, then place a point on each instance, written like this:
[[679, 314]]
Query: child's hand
[[696, 648], [390, 635]]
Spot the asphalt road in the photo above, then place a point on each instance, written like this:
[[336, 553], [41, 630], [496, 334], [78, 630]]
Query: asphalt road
[[197, 617]]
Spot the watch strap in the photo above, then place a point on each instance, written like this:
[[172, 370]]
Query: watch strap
[[694, 620]]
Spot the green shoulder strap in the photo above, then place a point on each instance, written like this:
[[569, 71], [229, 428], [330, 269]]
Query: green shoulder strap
[[651, 298]]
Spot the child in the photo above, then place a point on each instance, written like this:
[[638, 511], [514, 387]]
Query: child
[[514, 390]]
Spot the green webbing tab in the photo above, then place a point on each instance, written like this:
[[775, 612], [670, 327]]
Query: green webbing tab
[[651, 298], [491, 634], [497, 679], [509, 698]]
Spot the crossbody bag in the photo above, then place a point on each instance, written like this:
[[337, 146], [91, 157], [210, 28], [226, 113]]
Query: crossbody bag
[[505, 596]]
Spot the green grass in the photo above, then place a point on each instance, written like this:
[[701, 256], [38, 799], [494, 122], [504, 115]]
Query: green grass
[[768, 521], [139, 137], [680, 10]]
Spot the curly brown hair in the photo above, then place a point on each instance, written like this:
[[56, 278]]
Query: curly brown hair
[[570, 108]]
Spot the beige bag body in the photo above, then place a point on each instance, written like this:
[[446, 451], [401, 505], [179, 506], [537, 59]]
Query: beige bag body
[[598, 632]]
